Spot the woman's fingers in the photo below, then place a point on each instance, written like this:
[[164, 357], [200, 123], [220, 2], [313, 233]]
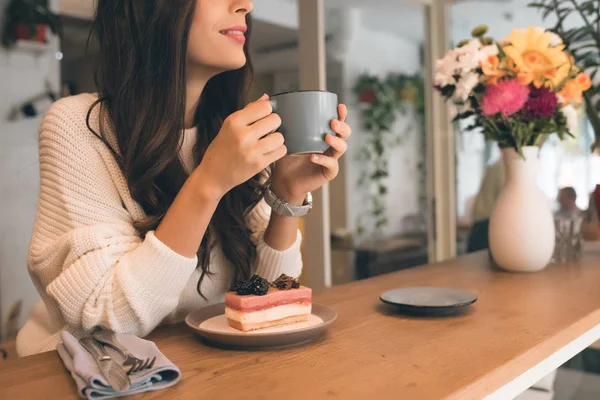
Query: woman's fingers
[[342, 129], [275, 155], [254, 111], [268, 124], [338, 146], [342, 112], [329, 164], [270, 143]]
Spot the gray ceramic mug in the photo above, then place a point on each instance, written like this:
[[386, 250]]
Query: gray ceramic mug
[[305, 119]]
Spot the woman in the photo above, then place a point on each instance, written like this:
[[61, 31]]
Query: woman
[[151, 199]]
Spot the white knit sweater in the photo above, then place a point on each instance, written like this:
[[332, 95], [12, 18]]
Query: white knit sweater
[[87, 261]]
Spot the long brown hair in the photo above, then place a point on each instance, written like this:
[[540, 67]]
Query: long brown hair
[[141, 80]]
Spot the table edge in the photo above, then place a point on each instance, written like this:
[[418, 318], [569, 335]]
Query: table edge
[[538, 371]]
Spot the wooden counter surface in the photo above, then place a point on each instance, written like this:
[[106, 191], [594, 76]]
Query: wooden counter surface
[[521, 328]]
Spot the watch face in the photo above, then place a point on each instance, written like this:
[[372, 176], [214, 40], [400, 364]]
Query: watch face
[[309, 198]]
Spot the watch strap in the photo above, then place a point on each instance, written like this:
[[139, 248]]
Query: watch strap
[[281, 207]]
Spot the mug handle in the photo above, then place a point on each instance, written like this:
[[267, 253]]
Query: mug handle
[[273, 104]]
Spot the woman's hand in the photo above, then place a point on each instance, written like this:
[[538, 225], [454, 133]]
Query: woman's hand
[[294, 176], [242, 148]]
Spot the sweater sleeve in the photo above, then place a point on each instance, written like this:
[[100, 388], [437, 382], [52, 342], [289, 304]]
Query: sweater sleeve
[[86, 258], [271, 262]]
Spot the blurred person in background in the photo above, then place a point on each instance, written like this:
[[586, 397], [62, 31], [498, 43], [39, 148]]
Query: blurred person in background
[[567, 201], [490, 189]]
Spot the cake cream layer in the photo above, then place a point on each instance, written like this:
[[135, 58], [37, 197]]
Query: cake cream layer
[[247, 327], [273, 298], [269, 314]]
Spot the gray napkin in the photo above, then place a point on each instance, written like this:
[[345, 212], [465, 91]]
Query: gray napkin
[[90, 381]]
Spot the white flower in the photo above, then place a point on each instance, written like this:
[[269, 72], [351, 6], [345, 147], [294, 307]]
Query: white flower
[[468, 56], [486, 51], [555, 40], [466, 63], [471, 55], [470, 48], [572, 119], [442, 80], [462, 62], [465, 86], [445, 69]]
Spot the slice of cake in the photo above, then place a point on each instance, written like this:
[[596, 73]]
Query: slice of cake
[[256, 304]]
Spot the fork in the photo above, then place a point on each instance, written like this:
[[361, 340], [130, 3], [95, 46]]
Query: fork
[[137, 364], [114, 375]]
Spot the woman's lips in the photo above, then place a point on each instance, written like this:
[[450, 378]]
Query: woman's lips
[[235, 34]]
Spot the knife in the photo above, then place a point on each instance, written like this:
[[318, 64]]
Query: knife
[[112, 371]]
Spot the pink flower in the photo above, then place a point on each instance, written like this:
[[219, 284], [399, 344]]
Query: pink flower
[[506, 97], [542, 103]]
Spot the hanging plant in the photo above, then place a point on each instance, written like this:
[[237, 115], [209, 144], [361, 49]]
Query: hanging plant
[[418, 84], [381, 102], [28, 20]]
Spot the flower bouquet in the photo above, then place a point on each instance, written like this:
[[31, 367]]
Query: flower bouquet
[[518, 90]]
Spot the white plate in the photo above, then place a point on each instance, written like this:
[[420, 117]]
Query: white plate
[[211, 325]]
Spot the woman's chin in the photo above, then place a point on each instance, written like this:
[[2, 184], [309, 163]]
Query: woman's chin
[[218, 65], [234, 64]]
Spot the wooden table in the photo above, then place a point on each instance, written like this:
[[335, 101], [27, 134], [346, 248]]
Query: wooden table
[[522, 327]]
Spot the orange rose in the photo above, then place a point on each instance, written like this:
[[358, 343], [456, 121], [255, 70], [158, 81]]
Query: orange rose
[[491, 69], [570, 93], [574, 88], [584, 81]]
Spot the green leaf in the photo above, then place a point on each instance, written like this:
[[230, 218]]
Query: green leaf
[[537, 5], [462, 43], [546, 12], [463, 115], [479, 31]]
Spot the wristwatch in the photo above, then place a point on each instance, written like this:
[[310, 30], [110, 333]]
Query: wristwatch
[[282, 207]]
